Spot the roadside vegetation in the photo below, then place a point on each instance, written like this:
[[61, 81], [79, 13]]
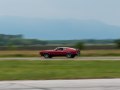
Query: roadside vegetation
[[18, 46], [118, 43], [44, 70], [80, 45], [35, 53]]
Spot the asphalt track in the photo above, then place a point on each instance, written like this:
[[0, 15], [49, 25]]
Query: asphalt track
[[92, 84], [61, 58]]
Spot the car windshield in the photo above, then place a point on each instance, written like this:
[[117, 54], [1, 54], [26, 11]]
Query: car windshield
[[56, 49]]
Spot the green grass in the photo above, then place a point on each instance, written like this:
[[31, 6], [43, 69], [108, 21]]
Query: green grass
[[42, 70]]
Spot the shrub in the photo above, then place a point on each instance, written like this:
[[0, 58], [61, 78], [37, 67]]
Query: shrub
[[79, 45], [118, 43]]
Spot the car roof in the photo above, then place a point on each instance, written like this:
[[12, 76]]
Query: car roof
[[66, 47], [63, 47]]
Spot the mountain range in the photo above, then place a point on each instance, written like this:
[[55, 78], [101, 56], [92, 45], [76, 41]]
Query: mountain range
[[58, 29]]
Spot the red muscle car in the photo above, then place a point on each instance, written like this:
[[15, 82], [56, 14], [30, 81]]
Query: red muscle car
[[60, 51]]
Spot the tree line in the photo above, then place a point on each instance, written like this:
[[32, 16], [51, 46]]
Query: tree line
[[19, 40], [9, 40]]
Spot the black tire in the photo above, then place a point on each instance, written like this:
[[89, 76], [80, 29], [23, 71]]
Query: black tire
[[46, 55], [69, 55], [73, 56]]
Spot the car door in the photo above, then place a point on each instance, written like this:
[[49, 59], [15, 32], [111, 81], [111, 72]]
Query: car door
[[59, 52]]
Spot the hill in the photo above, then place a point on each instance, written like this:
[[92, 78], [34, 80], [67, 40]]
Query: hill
[[58, 29]]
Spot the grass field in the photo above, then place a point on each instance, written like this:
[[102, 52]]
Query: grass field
[[20, 53], [42, 70], [100, 53], [36, 53]]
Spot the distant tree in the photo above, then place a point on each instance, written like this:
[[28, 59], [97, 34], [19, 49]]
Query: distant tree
[[80, 45], [117, 43], [12, 40], [37, 42]]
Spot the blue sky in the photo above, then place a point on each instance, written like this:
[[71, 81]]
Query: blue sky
[[107, 11]]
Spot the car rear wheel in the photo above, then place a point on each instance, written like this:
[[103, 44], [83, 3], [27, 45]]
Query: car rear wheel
[[69, 55], [47, 56]]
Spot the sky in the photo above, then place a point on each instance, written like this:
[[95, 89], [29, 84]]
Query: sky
[[107, 11]]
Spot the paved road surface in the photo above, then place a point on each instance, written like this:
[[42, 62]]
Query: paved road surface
[[63, 58], [92, 84]]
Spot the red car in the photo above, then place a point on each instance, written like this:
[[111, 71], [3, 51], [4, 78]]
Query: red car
[[60, 51]]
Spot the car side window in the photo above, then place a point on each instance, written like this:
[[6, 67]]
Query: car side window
[[61, 49]]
